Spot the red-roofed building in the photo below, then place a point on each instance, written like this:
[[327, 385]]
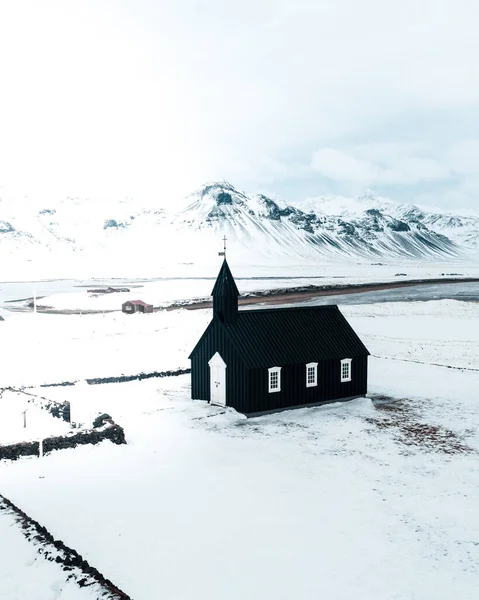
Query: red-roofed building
[[134, 306]]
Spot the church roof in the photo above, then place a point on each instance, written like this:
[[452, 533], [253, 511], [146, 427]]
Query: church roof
[[225, 284], [282, 336]]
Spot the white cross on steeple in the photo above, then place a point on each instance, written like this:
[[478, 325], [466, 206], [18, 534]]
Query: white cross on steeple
[[224, 248]]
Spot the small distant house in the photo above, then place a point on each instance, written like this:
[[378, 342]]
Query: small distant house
[[265, 360], [134, 306]]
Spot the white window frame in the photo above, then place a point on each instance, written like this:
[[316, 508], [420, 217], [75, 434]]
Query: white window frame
[[314, 366], [346, 362], [271, 371]]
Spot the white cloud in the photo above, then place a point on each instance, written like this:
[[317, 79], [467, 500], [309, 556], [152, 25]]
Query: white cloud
[[377, 164], [464, 157], [144, 98], [340, 166]]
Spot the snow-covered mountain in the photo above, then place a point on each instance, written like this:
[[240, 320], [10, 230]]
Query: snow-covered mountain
[[463, 230], [368, 226], [258, 227]]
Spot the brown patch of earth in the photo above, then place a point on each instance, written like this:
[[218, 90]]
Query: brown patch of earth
[[282, 296], [400, 416], [285, 296]]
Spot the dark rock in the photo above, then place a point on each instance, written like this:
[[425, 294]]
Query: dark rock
[[374, 212], [224, 198], [102, 420], [6, 227], [398, 226], [112, 223], [346, 228], [273, 210]]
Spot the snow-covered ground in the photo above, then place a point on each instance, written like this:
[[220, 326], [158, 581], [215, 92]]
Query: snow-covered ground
[[442, 333], [366, 499], [164, 293], [67, 348], [196, 281], [25, 575], [18, 426]]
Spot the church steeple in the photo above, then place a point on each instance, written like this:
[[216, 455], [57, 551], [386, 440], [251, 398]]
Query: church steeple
[[225, 295]]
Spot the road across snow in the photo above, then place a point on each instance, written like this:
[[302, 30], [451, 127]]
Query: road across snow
[[59, 347]]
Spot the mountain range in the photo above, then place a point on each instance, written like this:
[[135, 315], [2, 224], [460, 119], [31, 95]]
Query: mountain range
[[258, 228]]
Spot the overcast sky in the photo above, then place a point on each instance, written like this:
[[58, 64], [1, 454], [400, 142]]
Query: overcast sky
[[150, 98]]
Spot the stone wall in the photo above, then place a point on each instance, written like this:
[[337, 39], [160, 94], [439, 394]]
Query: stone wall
[[139, 377], [110, 431], [14, 451], [121, 378], [51, 549]]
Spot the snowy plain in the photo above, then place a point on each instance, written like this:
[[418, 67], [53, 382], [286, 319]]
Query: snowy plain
[[22, 420], [25, 575], [375, 498], [195, 281]]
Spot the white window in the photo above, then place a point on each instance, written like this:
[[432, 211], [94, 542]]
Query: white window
[[346, 369], [311, 374], [274, 379]]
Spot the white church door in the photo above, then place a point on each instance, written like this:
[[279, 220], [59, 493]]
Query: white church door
[[217, 380]]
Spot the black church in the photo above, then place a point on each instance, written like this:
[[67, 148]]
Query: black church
[[266, 360]]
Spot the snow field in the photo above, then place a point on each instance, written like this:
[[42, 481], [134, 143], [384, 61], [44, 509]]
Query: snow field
[[39, 422], [444, 332], [68, 348], [72, 347], [24, 574], [188, 281], [204, 503], [339, 501]]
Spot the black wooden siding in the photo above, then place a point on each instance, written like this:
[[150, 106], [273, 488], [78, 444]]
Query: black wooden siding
[[293, 385], [215, 340], [247, 389]]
